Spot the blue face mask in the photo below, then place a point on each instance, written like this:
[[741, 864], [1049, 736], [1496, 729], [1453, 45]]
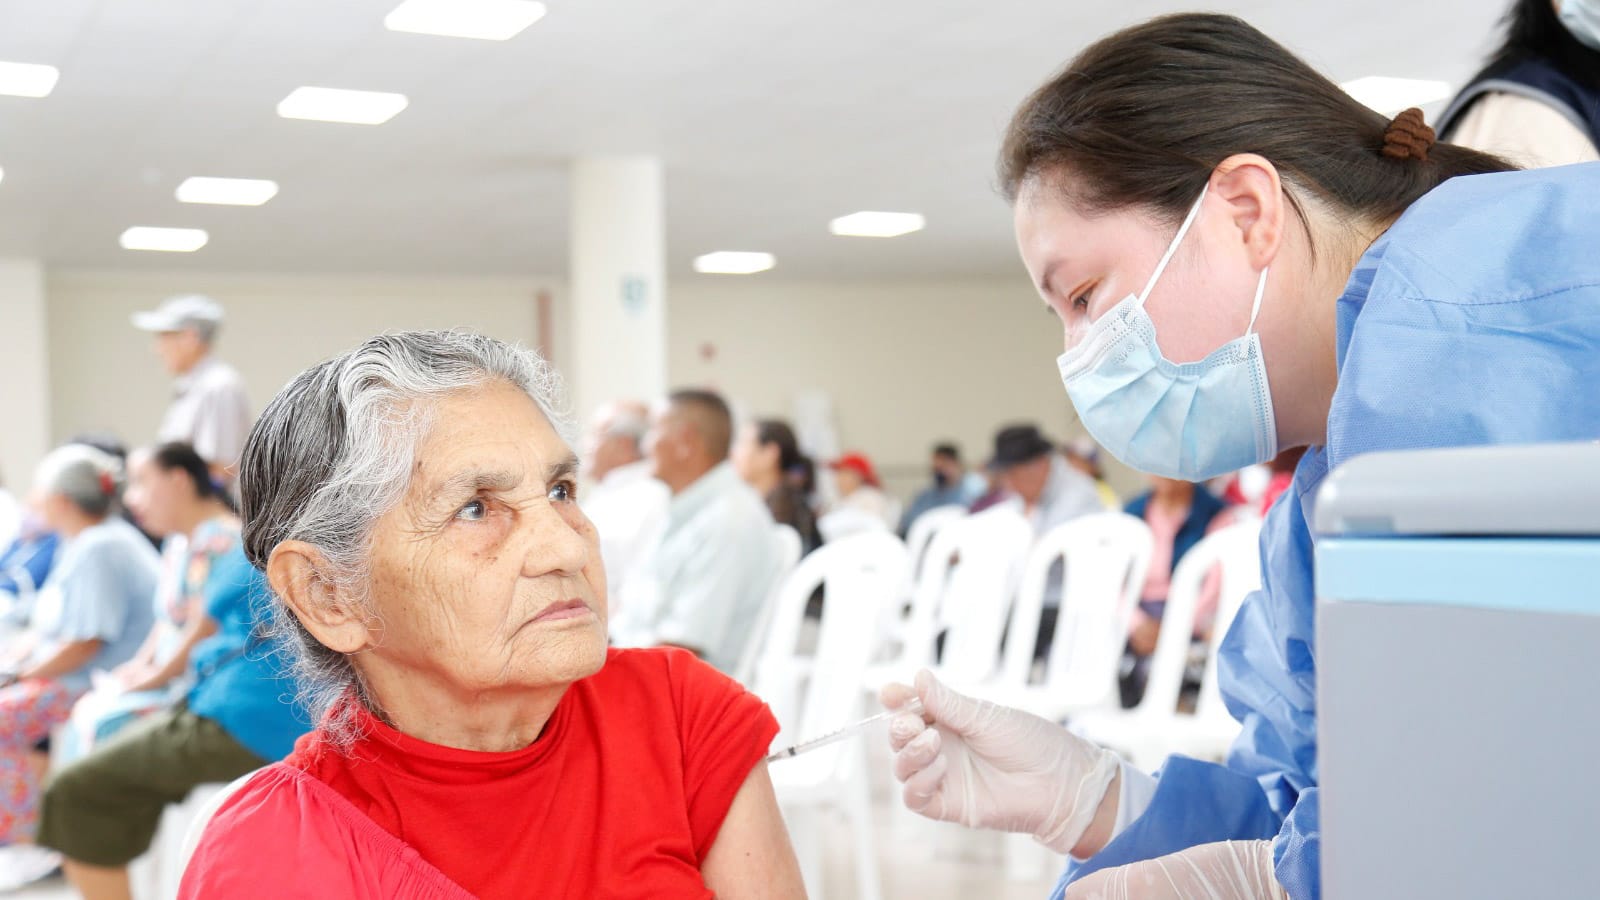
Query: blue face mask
[[1582, 19], [1192, 421]]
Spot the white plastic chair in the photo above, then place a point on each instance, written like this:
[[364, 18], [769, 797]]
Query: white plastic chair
[[157, 873], [896, 620], [992, 549], [925, 526], [858, 575], [787, 543], [963, 588], [1154, 730], [1103, 559]]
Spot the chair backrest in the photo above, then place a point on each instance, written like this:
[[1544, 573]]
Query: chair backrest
[[786, 542], [990, 550], [203, 817], [1228, 554], [858, 575], [1241, 577], [926, 525], [1100, 560]]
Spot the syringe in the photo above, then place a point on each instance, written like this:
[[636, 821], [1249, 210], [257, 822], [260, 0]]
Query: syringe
[[914, 708]]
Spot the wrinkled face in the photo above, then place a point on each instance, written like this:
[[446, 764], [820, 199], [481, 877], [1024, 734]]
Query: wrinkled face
[[179, 350], [486, 575], [1083, 265], [1027, 480], [157, 497]]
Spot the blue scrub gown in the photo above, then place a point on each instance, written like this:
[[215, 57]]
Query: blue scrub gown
[[1474, 320]]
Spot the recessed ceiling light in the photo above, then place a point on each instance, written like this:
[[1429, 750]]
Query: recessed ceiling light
[[168, 240], [734, 262], [227, 191], [335, 105], [1391, 95], [488, 20], [876, 224], [27, 79]]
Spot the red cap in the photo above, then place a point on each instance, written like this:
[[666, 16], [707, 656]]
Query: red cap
[[859, 464]]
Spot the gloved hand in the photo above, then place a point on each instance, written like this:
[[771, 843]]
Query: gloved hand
[[1230, 870], [988, 766]]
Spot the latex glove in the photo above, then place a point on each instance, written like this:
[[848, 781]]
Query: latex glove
[[989, 766], [1230, 870]]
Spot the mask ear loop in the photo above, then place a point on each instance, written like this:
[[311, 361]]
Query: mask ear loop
[[1172, 248], [1255, 307]]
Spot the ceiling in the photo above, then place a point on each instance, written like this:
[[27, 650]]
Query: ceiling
[[771, 117]]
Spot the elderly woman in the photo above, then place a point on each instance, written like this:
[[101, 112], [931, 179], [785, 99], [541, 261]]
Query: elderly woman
[[92, 612], [412, 504], [171, 495]]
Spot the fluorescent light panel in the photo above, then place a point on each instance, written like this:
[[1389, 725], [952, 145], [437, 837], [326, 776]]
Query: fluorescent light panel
[[734, 262], [487, 20], [166, 240], [876, 224], [227, 191], [27, 79], [1391, 95], [322, 104]]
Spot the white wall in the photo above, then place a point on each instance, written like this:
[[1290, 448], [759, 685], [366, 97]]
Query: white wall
[[105, 376], [907, 363], [25, 385]]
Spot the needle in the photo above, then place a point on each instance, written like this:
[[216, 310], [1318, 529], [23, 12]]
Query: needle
[[914, 707]]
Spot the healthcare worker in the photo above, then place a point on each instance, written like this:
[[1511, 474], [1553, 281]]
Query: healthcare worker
[[1245, 260]]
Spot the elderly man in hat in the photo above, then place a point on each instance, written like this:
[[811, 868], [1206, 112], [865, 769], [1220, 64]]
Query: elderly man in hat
[[1049, 492], [209, 409]]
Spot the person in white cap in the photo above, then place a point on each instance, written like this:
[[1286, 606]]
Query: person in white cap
[[209, 409]]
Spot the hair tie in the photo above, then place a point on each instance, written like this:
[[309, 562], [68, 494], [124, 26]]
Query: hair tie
[[108, 485], [1408, 137]]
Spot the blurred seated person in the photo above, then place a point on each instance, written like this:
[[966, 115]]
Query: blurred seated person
[[1048, 492], [92, 612], [952, 485], [24, 564], [709, 575], [861, 504], [627, 505], [237, 715], [11, 515], [767, 456], [1179, 515], [1083, 454], [171, 495], [412, 504]]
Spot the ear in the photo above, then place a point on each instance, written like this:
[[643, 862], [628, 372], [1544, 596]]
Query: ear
[[301, 575], [1251, 188]]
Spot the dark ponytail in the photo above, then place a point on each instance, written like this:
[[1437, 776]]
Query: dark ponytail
[[178, 456], [1142, 118], [777, 432]]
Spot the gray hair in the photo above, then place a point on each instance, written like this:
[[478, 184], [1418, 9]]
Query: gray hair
[[334, 451], [89, 477]]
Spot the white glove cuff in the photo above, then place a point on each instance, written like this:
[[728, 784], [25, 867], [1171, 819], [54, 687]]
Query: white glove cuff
[[1083, 803]]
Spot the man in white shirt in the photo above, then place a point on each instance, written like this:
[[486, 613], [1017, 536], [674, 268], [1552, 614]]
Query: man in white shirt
[[209, 409], [716, 561], [627, 505]]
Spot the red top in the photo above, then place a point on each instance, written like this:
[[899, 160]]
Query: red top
[[622, 795]]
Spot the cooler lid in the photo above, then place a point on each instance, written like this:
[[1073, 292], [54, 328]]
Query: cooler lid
[[1529, 489]]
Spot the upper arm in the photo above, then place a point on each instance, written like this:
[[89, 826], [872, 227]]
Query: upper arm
[[751, 856]]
